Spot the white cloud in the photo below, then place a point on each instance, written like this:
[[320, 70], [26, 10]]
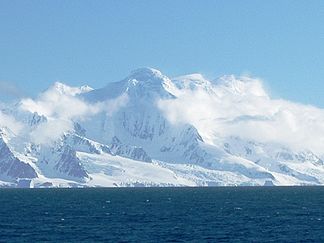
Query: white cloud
[[50, 131], [61, 105], [241, 107], [111, 106], [10, 123], [54, 103], [230, 107]]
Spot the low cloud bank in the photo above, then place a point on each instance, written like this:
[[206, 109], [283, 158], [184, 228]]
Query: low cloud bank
[[61, 106], [241, 107]]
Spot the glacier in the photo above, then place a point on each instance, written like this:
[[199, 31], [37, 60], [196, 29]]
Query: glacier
[[152, 130]]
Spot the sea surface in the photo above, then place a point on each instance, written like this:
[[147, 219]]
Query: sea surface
[[219, 214]]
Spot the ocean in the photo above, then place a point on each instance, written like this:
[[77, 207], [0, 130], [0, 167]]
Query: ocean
[[214, 214]]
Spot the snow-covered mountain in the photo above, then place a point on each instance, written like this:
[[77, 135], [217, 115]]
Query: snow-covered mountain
[[150, 130]]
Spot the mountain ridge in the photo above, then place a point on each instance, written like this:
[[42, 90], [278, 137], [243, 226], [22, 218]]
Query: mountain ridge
[[150, 130]]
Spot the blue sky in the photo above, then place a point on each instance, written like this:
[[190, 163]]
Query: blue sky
[[96, 42]]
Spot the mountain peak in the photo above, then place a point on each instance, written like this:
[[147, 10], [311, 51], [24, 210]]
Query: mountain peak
[[148, 83], [192, 76], [191, 81], [145, 73], [62, 88], [146, 76], [141, 83], [243, 85]]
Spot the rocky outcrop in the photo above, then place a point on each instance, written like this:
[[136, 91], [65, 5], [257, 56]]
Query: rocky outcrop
[[11, 167], [127, 151]]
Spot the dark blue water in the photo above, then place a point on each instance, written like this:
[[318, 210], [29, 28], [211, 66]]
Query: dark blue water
[[248, 214]]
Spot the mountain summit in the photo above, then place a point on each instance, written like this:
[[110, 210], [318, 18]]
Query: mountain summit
[[146, 74], [142, 82]]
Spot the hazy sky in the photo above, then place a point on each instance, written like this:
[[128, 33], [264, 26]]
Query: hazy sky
[[96, 42]]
